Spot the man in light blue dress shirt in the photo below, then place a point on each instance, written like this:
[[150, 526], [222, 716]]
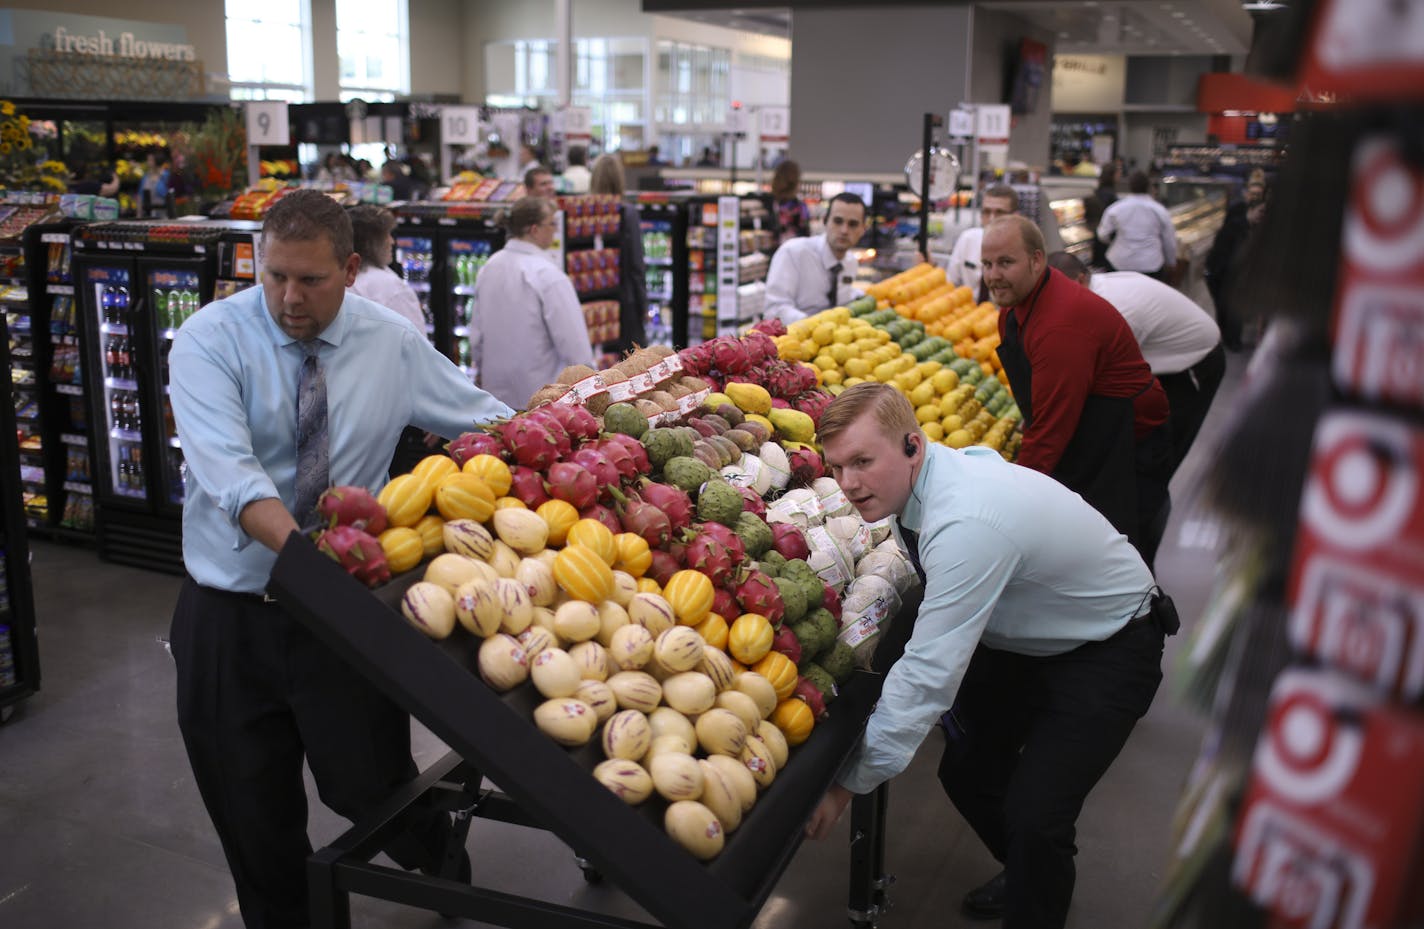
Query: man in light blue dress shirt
[[257, 694], [1037, 614]]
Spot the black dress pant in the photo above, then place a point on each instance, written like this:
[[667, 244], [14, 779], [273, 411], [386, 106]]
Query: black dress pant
[[257, 693], [1190, 393], [1037, 735]]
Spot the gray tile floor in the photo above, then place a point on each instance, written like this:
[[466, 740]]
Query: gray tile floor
[[100, 823]]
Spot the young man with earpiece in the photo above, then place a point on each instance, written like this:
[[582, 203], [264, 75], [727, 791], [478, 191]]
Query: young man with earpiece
[[808, 275], [1038, 616]]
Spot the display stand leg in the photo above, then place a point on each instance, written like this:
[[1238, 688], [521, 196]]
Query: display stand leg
[[330, 906], [868, 880]]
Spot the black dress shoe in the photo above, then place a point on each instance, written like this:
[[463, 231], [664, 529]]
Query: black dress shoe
[[987, 900]]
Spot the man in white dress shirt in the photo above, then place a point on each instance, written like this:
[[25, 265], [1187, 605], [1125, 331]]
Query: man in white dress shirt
[[371, 228], [964, 267], [1139, 232], [1179, 341], [818, 272]]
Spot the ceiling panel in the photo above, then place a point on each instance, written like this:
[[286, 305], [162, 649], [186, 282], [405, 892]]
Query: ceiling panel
[[1137, 27]]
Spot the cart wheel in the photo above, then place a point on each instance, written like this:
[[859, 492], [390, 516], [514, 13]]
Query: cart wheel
[[591, 875]]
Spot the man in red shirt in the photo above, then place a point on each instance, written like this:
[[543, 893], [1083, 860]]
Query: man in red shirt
[[1094, 416]]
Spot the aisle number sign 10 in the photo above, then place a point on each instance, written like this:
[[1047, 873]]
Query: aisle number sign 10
[[460, 125], [267, 123]]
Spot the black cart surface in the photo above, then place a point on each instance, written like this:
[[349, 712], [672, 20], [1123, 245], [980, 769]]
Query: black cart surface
[[544, 786]]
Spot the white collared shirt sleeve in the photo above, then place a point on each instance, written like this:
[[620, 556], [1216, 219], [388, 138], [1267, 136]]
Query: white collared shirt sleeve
[[782, 282], [383, 286], [963, 269]]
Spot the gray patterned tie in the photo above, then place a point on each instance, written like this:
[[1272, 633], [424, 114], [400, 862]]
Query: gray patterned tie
[[313, 462]]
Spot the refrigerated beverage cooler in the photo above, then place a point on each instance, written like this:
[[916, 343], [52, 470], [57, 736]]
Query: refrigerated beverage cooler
[[137, 284]]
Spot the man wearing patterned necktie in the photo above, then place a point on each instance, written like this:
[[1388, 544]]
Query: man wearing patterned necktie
[[279, 392], [1037, 614], [808, 275]]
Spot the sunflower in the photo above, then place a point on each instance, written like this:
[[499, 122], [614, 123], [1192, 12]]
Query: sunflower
[[4, 148], [24, 144], [7, 108]]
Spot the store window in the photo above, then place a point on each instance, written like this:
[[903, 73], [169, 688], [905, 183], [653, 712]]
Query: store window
[[609, 78], [269, 50], [693, 86], [371, 41]]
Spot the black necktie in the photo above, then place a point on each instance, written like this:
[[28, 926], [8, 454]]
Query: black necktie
[[912, 548], [835, 284]]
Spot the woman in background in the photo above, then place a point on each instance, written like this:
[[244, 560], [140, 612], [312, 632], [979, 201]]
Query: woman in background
[[371, 227], [792, 214], [607, 179], [527, 325]]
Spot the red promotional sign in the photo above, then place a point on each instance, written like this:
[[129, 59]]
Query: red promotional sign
[[1365, 50]]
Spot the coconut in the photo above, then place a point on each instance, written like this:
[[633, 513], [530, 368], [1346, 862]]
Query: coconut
[[693, 384], [663, 399], [575, 373], [547, 394], [647, 407]]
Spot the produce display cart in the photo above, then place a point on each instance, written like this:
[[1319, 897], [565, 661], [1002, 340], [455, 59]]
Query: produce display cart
[[544, 786]]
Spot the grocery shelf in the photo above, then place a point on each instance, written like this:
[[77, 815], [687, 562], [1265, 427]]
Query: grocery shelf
[[70, 438], [73, 390], [549, 787], [60, 290], [78, 487]]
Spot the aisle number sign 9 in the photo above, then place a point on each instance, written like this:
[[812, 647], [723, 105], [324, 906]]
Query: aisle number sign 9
[[460, 125], [267, 123]]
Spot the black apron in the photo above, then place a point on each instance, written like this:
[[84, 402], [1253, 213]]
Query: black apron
[[1099, 462]]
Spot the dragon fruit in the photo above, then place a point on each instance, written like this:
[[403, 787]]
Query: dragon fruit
[[729, 355], [561, 436], [470, 444], [352, 506], [648, 521], [696, 361], [758, 593], [578, 422], [813, 403], [778, 403], [733, 542], [672, 501], [604, 471], [634, 448], [622, 459], [663, 567], [604, 515], [806, 466], [759, 345], [358, 553], [772, 327], [573, 483], [724, 604], [753, 503], [809, 692], [711, 557], [531, 442], [528, 485], [831, 601], [787, 539], [787, 643]]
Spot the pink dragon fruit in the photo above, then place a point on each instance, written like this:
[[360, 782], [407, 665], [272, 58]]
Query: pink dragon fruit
[[531, 442], [777, 403], [772, 327], [604, 471], [789, 541], [672, 501], [711, 557], [358, 553], [759, 345], [470, 444], [572, 483], [578, 422], [622, 459], [604, 515], [813, 403], [352, 506], [556, 429], [663, 567], [729, 355], [787, 643], [528, 485], [757, 593], [807, 691], [806, 466], [733, 542], [831, 600], [648, 521], [752, 502], [724, 604], [696, 361], [634, 448]]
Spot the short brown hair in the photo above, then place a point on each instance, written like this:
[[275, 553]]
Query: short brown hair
[[607, 176], [1031, 234], [785, 180], [532, 175], [1003, 192], [369, 227], [309, 215], [891, 410], [527, 213]]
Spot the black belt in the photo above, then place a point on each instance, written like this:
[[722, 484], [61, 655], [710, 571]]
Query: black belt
[[262, 599]]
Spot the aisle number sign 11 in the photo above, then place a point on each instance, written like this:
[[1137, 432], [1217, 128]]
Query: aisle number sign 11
[[460, 125], [993, 123], [267, 123]]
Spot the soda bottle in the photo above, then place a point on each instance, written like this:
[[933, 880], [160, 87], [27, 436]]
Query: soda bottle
[[106, 304], [160, 310], [136, 468], [121, 305]]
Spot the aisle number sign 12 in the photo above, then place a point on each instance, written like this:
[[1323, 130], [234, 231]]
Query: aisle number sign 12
[[267, 123], [460, 125]]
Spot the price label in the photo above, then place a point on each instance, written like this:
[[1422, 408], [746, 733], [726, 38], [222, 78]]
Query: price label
[[961, 123], [460, 125], [775, 123], [267, 123], [578, 123], [993, 123]]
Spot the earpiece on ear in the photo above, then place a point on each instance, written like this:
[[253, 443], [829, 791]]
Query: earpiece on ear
[[909, 446]]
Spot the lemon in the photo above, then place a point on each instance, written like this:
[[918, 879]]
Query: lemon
[[840, 352], [857, 367], [958, 439], [928, 413], [929, 368], [823, 333], [833, 376], [924, 393], [952, 422], [944, 381], [911, 379], [809, 348], [852, 381], [933, 431], [885, 371], [825, 362], [843, 335]]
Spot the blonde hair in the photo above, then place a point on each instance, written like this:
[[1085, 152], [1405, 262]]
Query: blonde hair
[[892, 412], [606, 176]]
